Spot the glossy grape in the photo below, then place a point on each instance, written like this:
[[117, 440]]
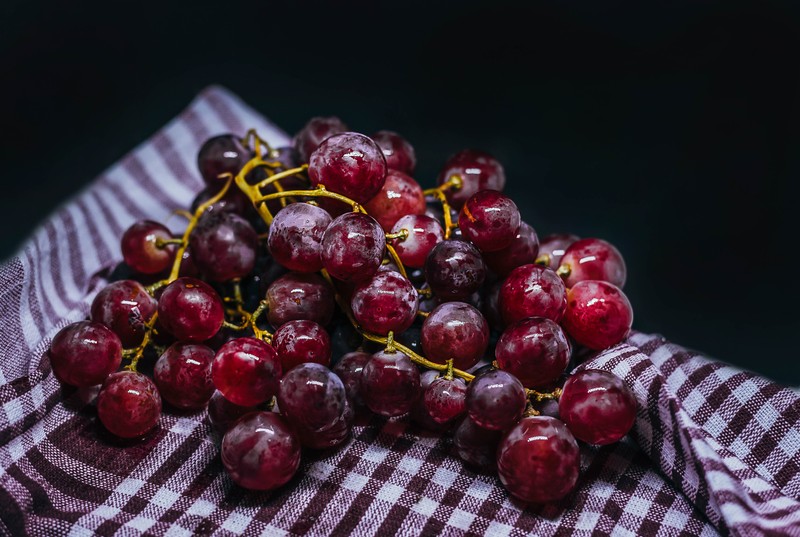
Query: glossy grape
[[597, 407], [223, 414], [419, 411], [234, 201], [295, 236], [221, 154], [190, 310], [386, 303], [141, 250], [477, 446], [301, 341], [128, 404], [593, 259], [401, 195], [477, 170], [352, 247], [535, 350], [390, 383], [85, 353], [532, 291], [538, 460], [445, 399], [349, 370], [300, 296], [454, 270], [496, 400], [125, 307], [552, 248], [247, 371], [350, 164], [314, 402], [183, 375], [423, 234], [523, 250], [314, 133], [598, 314], [399, 153], [261, 452], [224, 246], [489, 220], [455, 331]]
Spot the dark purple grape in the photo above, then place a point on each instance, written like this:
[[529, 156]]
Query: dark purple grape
[[300, 341], [314, 133], [260, 452], [352, 247], [224, 246], [390, 383], [349, 369], [314, 402], [477, 170], [125, 307], [538, 460], [141, 250], [455, 331], [247, 371], [386, 303], [183, 375], [128, 404], [295, 236], [490, 220], [350, 164], [552, 248], [535, 350], [400, 154], [85, 353], [477, 446], [223, 414], [300, 296], [532, 291], [221, 154], [454, 270], [234, 201], [496, 400], [523, 250], [190, 310], [597, 407]]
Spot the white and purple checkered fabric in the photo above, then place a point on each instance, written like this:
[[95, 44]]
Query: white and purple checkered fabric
[[714, 451]]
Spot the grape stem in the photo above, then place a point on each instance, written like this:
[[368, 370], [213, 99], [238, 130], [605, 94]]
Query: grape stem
[[136, 354], [455, 183]]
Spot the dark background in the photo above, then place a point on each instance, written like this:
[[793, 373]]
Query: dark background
[[669, 128]]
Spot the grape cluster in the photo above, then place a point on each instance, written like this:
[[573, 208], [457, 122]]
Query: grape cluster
[[318, 281]]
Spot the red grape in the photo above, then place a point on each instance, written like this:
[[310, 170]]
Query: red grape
[[532, 291], [489, 220], [593, 259], [300, 296], [125, 307], [349, 369], [301, 341], [400, 154], [314, 133], [597, 406], [183, 375], [419, 411], [390, 383], [85, 353], [477, 446], [535, 350], [140, 248], [457, 331], [352, 247], [350, 164], [446, 399], [190, 310], [523, 250], [223, 414], [260, 452], [423, 234], [247, 371], [386, 303], [454, 270], [224, 246], [552, 248], [496, 400], [295, 236], [221, 154], [400, 195], [538, 460], [477, 170], [128, 404], [598, 314]]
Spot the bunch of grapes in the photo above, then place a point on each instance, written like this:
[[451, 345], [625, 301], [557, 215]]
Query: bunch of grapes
[[318, 281]]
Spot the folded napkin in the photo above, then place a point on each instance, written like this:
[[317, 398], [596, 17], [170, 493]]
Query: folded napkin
[[715, 450]]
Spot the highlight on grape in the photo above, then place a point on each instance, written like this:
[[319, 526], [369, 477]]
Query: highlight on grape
[[314, 282]]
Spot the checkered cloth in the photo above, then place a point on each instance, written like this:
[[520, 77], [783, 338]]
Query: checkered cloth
[[714, 449]]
